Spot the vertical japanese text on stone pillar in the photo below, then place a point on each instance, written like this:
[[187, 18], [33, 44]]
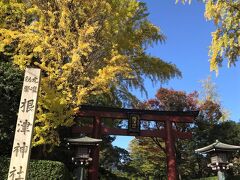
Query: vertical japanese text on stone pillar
[[24, 128]]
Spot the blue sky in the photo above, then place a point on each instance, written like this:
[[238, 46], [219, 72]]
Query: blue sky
[[188, 37]]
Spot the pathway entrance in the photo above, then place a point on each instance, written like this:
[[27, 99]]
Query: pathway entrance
[[134, 118]]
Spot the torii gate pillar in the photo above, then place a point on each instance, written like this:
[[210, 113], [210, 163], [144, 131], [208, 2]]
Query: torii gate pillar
[[96, 132], [170, 152]]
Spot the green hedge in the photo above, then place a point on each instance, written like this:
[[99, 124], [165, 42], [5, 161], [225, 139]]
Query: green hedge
[[234, 178], [38, 170], [208, 178], [216, 178]]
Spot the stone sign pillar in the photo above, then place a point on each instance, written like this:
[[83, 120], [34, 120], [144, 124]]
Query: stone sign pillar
[[24, 128]]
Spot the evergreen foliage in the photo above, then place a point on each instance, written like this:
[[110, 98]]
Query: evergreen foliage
[[147, 159], [38, 169], [10, 91]]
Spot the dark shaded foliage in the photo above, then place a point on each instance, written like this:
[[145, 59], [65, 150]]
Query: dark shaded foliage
[[11, 80]]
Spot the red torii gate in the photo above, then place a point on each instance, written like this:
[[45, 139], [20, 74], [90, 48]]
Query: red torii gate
[[134, 116]]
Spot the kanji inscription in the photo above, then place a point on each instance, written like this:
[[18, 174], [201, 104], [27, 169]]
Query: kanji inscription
[[27, 105], [30, 89], [134, 123], [20, 149], [24, 128], [16, 174]]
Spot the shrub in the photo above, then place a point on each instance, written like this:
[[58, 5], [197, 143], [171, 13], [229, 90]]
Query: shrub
[[39, 170]]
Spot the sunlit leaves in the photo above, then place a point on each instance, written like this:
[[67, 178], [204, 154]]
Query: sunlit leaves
[[226, 39], [147, 158], [85, 49]]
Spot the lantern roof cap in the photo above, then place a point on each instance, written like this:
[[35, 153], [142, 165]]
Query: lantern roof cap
[[217, 146], [84, 140]]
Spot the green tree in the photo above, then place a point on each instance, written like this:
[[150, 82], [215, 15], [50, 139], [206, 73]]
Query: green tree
[[206, 133], [85, 49], [113, 160], [209, 116], [10, 91], [147, 159]]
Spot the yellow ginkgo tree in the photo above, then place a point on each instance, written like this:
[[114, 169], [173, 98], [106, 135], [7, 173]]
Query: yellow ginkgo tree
[[85, 49], [226, 38]]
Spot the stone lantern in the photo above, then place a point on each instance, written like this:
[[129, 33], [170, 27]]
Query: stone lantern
[[219, 156], [82, 148]]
